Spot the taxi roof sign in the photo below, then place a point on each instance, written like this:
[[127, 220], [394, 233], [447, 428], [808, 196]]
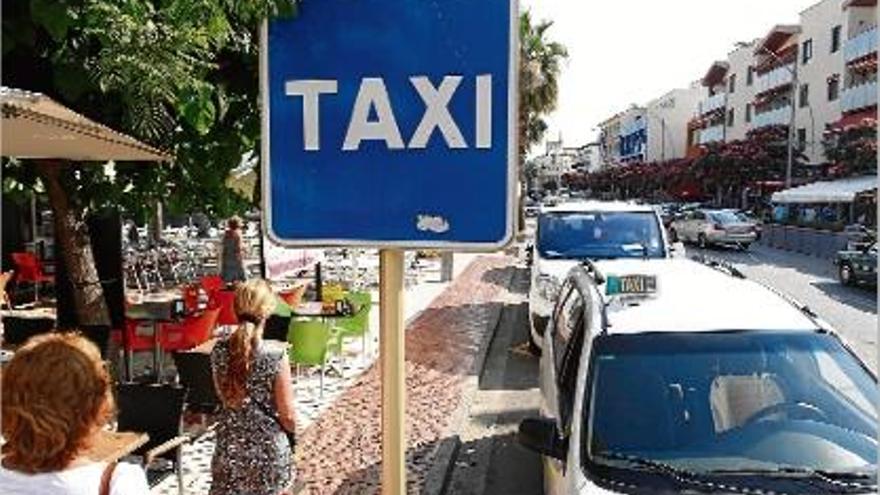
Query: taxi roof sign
[[391, 123]]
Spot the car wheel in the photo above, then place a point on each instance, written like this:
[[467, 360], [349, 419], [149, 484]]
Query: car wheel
[[845, 272], [673, 235], [745, 246], [702, 242]]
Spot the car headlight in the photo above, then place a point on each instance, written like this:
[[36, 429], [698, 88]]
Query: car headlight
[[548, 287]]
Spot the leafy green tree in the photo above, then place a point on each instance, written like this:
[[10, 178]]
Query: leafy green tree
[[178, 74]]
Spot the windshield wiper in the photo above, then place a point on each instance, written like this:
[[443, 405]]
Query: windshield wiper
[[848, 480], [678, 475]]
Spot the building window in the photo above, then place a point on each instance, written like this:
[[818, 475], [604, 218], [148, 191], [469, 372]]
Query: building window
[[804, 96], [730, 118], [731, 84], [750, 76], [748, 113], [833, 88], [807, 52], [802, 139], [835, 39]]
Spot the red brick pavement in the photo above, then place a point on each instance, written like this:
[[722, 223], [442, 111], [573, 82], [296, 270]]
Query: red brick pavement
[[341, 452]]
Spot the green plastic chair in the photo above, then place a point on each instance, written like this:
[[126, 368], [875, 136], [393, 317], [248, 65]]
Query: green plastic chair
[[356, 325], [309, 342]]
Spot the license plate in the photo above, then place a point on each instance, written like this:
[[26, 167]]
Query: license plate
[[631, 284]]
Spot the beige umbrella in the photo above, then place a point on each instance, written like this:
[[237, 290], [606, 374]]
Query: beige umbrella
[[35, 126]]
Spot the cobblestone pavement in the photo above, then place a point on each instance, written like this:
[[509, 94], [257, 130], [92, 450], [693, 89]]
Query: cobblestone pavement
[[812, 281], [341, 452]]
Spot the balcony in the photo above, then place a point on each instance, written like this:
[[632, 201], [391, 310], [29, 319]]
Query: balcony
[[712, 103], [861, 45], [776, 78], [859, 97], [779, 116], [712, 134]]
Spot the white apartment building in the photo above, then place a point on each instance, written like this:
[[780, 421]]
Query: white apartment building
[[826, 67], [740, 85], [609, 141], [667, 121], [632, 139], [556, 161], [589, 158]]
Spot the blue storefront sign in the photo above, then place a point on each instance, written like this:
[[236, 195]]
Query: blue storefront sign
[[391, 123]]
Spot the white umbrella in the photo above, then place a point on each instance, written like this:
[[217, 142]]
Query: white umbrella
[[35, 126]]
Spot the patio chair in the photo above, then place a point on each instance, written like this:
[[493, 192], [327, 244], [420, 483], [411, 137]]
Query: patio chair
[[276, 328], [293, 296], [29, 269], [357, 325], [156, 410], [309, 343], [191, 332], [196, 376], [225, 300], [211, 284]]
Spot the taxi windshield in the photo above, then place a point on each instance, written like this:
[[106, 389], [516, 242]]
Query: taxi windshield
[[727, 402], [599, 235]]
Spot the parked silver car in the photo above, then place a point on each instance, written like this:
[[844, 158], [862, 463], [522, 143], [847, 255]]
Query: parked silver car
[[713, 227]]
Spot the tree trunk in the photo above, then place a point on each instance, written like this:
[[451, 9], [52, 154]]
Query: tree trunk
[[72, 235]]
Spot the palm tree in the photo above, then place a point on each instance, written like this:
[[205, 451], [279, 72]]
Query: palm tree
[[540, 65]]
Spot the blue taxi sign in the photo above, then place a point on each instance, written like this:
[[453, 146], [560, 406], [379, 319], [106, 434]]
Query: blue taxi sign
[[391, 123]]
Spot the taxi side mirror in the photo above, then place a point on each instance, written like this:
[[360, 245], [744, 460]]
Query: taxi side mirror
[[541, 435]]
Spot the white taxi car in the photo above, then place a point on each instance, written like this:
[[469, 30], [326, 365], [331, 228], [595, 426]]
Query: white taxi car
[[676, 377], [570, 233]]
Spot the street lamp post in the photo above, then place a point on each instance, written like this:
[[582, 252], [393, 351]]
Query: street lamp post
[[791, 119]]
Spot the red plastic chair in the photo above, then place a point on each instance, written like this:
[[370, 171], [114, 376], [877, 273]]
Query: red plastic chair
[[193, 331], [191, 297], [225, 300], [211, 284], [140, 335], [29, 269]]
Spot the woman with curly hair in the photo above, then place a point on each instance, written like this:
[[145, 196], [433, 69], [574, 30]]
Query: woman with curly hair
[[253, 455], [56, 398]]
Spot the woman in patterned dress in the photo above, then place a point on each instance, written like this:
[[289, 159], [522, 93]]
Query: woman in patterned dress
[[252, 454]]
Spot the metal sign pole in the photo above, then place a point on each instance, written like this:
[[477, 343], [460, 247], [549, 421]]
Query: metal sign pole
[[391, 341]]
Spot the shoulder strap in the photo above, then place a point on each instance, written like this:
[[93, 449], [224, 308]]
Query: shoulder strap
[[265, 410], [106, 476]]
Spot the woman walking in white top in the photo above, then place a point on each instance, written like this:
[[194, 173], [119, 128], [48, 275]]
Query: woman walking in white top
[[56, 398]]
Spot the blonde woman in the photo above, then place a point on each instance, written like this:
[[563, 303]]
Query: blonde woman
[[56, 398], [253, 454]]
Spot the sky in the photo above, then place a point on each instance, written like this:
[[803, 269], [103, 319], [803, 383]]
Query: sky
[[632, 51]]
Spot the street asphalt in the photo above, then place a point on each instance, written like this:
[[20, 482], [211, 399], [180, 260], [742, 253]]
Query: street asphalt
[[852, 311]]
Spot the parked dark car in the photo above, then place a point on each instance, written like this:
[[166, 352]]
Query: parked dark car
[[857, 265]]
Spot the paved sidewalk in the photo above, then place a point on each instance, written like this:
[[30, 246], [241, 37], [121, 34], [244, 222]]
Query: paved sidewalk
[[310, 404], [341, 452]]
